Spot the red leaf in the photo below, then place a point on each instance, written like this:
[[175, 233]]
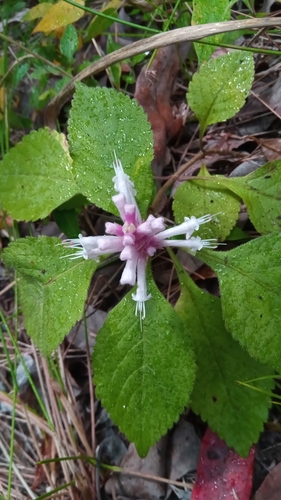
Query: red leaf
[[221, 473]]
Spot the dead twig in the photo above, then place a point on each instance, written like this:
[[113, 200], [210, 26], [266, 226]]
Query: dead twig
[[148, 44]]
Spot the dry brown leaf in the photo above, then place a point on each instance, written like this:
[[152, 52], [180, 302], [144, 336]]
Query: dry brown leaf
[[271, 149], [136, 487], [271, 487], [185, 447], [153, 92]]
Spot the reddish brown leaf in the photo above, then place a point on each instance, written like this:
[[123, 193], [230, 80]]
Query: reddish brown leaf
[[221, 473], [153, 92], [40, 476]]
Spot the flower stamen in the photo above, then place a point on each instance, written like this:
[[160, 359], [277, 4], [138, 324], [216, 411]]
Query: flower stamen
[[136, 240]]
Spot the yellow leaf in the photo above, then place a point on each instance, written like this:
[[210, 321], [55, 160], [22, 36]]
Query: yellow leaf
[[2, 102], [59, 32], [60, 14], [39, 10], [80, 42], [113, 4]]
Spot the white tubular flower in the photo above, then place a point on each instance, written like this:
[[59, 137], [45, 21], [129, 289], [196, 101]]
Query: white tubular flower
[[84, 246], [141, 296], [135, 240], [187, 227]]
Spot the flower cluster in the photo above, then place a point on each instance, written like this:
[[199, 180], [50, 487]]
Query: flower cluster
[[136, 240]]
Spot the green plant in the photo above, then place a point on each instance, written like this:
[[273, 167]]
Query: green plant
[[144, 364]]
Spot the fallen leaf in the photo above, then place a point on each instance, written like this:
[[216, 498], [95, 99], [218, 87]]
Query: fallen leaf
[[222, 474], [270, 97], [271, 487], [60, 14], [153, 92], [137, 487], [37, 11], [271, 149], [47, 453], [184, 451]]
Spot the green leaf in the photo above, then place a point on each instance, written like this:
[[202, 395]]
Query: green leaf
[[115, 69], [234, 411], [103, 121], [100, 24], [61, 83], [184, 19], [69, 42], [261, 192], [200, 197], [52, 289], [68, 222], [78, 201], [36, 176], [219, 89], [237, 234], [203, 14], [144, 376], [20, 72], [250, 284]]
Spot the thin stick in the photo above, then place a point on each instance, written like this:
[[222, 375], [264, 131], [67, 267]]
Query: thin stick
[[92, 402], [34, 54], [37, 448], [17, 472], [173, 178], [75, 419], [7, 288], [147, 44]]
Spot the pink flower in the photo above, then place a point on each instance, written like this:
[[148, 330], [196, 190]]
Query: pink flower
[[136, 240]]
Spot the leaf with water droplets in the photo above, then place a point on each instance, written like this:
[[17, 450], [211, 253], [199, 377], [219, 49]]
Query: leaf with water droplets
[[204, 14], [144, 376], [37, 11], [261, 192], [52, 289], [219, 89], [60, 14], [69, 42], [250, 285], [221, 362], [103, 121], [197, 197], [36, 176]]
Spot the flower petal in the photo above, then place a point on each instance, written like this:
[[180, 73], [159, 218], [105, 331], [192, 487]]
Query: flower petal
[[141, 296], [84, 245], [187, 227], [192, 244], [124, 185], [110, 244], [113, 228], [130, 271]]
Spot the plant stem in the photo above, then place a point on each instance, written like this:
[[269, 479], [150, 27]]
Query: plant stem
[[111, 18]]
